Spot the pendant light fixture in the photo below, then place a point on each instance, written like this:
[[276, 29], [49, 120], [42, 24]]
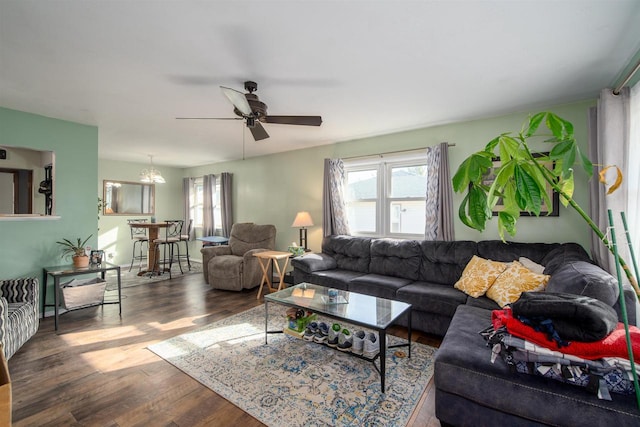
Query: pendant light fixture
[[151, 175]]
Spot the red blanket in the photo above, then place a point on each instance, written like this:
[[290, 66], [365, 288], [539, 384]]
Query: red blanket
[[614, 345]]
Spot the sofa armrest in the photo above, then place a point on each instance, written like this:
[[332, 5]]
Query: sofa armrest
[[209, 252], [314, 262], [248, 256], [21, 290]]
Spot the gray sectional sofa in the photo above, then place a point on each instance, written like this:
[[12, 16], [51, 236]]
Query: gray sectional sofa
[[470, 390]]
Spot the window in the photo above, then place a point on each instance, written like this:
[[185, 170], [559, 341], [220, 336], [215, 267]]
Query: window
[[196, 204], [387, 197]]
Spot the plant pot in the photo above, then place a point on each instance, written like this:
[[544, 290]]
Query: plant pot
[[80, 261]]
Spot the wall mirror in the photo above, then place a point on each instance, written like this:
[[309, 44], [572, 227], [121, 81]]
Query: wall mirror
[[128, 198], [26, 182]]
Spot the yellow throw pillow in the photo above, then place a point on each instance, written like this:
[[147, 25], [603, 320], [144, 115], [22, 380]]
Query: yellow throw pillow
[[515, 280], [479, 275]]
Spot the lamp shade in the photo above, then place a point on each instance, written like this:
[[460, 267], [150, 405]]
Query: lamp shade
[[303, 219]]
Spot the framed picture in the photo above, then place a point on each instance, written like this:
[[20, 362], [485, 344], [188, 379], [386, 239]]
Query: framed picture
[[96, 257], [545, 210]]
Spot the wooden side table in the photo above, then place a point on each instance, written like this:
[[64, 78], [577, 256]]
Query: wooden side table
[[272, 257]]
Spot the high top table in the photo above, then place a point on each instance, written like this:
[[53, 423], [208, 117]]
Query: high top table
[[360, 310], [153, 267]]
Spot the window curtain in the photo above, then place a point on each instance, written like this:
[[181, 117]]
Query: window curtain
[[439, 197], [187, 193], [608, 127], [209, 188], [226, 207], [334, 212]]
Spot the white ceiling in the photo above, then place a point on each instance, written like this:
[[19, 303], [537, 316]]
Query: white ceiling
[[368, 67]]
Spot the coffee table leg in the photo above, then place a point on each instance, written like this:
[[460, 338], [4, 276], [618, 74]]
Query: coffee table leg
[[410, 316], [266, 321], [383, 358]]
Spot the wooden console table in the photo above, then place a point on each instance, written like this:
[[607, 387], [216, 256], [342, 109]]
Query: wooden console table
[[61, 271]]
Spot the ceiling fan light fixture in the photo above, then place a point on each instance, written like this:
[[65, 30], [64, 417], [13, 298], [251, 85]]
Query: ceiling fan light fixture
[[251, 122], [151, 175]]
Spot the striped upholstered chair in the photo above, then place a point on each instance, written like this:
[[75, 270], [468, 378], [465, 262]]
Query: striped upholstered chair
[[19, 301]]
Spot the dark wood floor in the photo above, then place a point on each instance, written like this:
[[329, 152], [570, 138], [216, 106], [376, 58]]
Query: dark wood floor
[[97, 370]]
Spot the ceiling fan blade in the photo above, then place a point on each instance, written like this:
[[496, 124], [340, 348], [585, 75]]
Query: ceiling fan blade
[[294, 120], [238, 100], [258, 132], [208, 118]]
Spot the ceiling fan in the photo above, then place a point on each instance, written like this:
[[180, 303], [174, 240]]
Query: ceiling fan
[[249, 108]]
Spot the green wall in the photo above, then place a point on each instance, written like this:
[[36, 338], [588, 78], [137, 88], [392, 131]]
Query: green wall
[[271, 189], [29, 245]]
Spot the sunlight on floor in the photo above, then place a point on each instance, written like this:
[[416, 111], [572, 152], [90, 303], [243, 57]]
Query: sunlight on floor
[[102, 335], [184, 322], [228, 334], [115, 359]]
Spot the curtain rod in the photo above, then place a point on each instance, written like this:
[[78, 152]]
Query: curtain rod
[[391, 152], [616, 91]]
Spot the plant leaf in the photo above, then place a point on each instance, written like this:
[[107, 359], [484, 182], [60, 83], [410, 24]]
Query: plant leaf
[[539, 179], [586, 163], [478, 207], [555, 125], [617, 183], [567, 186], [508, 148], [471, 170], [534, 123], [506, 222], [528, 191]]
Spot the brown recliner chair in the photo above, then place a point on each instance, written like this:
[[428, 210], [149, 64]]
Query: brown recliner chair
[[233, 266]]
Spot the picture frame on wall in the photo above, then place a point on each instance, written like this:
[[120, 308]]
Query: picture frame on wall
[[553, 210], [96, 257]]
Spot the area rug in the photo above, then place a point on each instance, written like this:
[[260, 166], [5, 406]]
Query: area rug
[[292, 382], [130, 279]]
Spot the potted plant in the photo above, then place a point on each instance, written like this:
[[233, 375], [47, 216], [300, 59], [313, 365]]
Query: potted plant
[[522, 177], [77, 250]]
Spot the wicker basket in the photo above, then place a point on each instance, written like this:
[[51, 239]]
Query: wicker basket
[[82, 293]]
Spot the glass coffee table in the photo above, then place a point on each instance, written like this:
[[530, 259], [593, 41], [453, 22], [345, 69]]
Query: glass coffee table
[[354, 308]]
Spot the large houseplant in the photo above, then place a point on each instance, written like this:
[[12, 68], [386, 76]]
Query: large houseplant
[[521, 179], [76, 250]]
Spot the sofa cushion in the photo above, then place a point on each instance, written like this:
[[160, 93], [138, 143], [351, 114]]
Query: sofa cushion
[[533, 266], [444, 262], [498, 250], [377, 285], [337, 278], [515, 280], [351, 253], [483, 302], [584, 278], [432, 297], [479, 275], [314, 262], [563, 254], [397, 258]]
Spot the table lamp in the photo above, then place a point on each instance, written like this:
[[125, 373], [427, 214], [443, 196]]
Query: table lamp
[[303, 220]]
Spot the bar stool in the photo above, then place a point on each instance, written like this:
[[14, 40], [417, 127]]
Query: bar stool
[[171, 241], [185, 238], [139, 237]]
